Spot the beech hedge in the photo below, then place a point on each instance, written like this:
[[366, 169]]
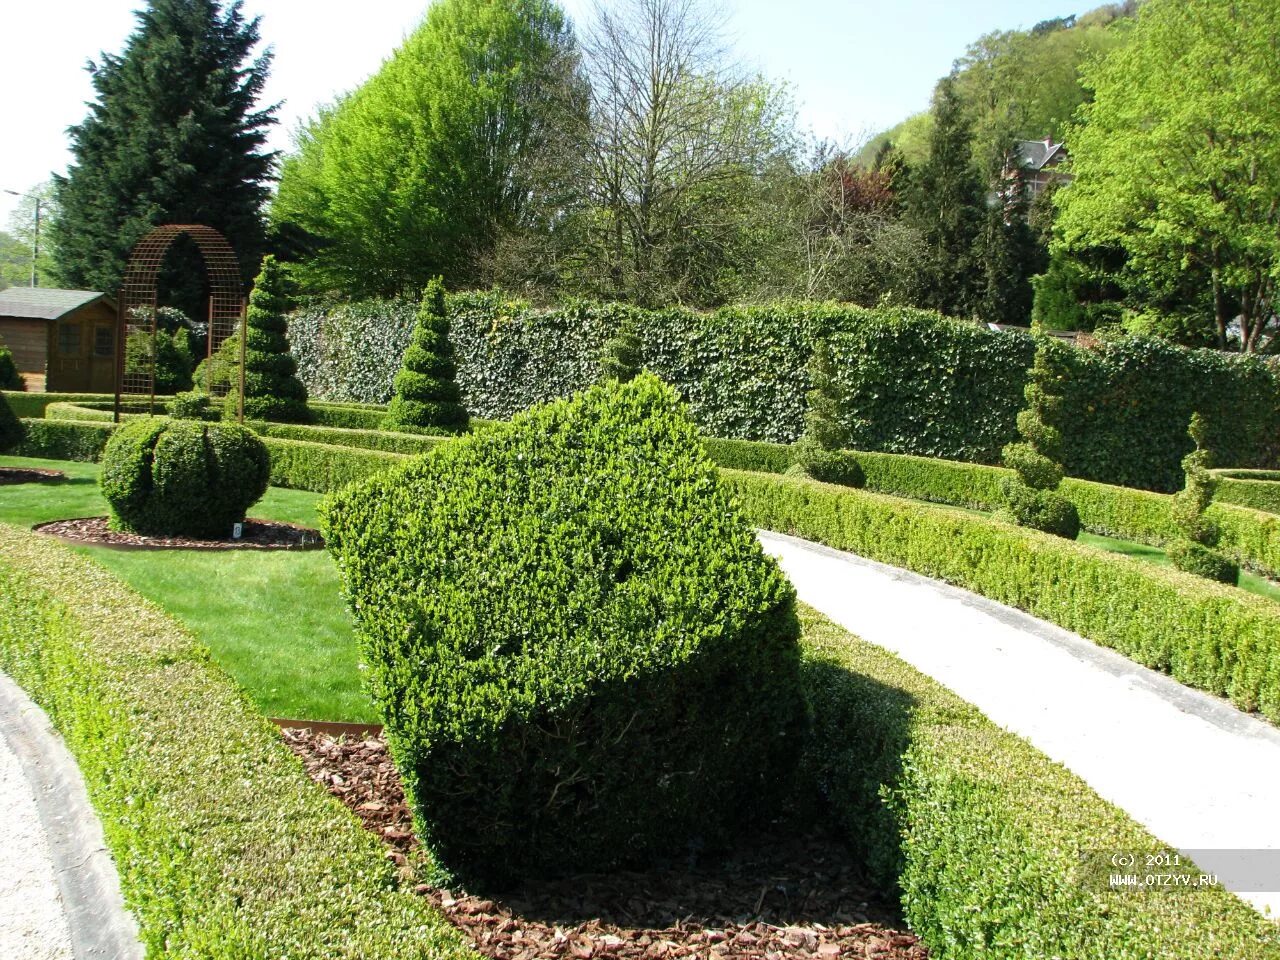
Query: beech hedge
[[224, 846], [1206, 635], [582, 654]]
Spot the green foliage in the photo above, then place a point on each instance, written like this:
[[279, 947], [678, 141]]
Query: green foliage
[[181, 477], [12, 431], [301, 465], [219, 374], [271, 389], [174, 135], [225, 849], [191, 406], [817, 451], [1206, 635], [1176, 162], [1257, 489], [64, 439], [621, 359], [619, 679], [168, 356], [983, 833], [426, 396], [1193, 550], [386, 440], [444, 141], [10, 379], [1031, 497]]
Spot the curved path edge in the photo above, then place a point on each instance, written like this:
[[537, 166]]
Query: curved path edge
[[100, 926], [1201, 775]]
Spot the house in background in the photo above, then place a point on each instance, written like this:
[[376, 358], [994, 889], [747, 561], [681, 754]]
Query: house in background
[[1040, 163], [63, 341]]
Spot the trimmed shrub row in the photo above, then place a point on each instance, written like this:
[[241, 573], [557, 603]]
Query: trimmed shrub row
[[981, 831], [225, 848], [914, 382], [32, 405], [1206, 635], [1256, 489], [386, 440], [64, 440], [321, 468]]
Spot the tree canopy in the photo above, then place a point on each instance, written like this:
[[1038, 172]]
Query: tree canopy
[[174, 135], [1177, 161]]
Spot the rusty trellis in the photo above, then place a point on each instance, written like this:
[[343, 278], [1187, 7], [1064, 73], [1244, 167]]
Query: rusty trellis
[[137, 306]]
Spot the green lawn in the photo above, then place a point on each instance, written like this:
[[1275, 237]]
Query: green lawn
[[272, 619]]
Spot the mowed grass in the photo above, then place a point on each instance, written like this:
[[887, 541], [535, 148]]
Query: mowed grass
[[274, 620]]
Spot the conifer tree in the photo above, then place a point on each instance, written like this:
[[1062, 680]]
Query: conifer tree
[[272, 390], [819, 453], [1193, 551], [1032, 498], [947, 206], [1009, 252], [174, 135], [426, 392]]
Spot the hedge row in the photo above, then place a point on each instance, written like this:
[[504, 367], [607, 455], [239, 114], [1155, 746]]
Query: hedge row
[[916, 383], [64, 439], [225, 848], [385, 440], [1206, 635], [321, 468], [982, 832], [33, 404], [1257, 489]]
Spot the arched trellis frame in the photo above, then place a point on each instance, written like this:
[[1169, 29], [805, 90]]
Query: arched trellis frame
[[137, 306]]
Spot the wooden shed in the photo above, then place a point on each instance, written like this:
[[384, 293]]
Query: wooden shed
[[63, 341]]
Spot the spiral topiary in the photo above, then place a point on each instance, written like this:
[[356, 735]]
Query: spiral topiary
[[621, 357], [819, 453], [1032, 498], [182, 477], [426, 392], [1192, 551], [272, 390]]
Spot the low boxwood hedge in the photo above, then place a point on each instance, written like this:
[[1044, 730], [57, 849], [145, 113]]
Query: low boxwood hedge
[[386, 440], [1257, 489], [583, 656], [64, 440], [33, 404], [1206, 635], [321, 468], [982, 832], [348, 416], [225, 849]]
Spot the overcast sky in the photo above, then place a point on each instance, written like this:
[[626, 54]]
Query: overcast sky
[[854, 67]]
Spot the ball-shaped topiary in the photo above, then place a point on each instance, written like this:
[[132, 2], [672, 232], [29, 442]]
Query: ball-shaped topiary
[[426, 392], [12, 431], [182, 477], [272, 390]]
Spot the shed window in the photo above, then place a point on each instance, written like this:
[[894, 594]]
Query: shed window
[[104, 342], [69, 339]]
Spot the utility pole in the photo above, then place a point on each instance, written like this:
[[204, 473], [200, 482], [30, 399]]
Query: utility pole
[[35, 245]]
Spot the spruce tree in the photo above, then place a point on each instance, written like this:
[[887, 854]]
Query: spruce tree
[[947, 206], [174, 135], [426, 394], [1193, 549], [1031, 497], [272, 390]]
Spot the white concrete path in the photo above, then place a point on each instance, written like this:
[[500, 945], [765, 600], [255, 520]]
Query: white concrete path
[[1198, 773]]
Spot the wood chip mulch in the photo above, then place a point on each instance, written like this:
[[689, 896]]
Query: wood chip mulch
[[778, 898], [10, 475], [256, 535]]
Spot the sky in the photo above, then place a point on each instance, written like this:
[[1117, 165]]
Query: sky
[[853, 67]]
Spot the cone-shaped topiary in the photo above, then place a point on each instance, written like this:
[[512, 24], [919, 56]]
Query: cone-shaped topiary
[[1032, 498], [819, 451], [271, 389], [621, 358], [1193, 551], [12, 431], [426, 394], [182, 477], [583, 656]]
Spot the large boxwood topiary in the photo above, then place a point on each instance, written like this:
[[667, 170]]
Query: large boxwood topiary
[[182, 477], [426, 396], [582, 655], [272, 390]]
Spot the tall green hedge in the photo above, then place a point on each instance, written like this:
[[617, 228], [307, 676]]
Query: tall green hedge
[[915, 383], [582, 654]]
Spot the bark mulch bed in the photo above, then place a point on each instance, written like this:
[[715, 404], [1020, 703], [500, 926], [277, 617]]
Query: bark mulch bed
[[777, 898], [256, 535], [10, 475]]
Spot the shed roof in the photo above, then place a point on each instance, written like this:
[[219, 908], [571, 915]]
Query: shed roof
[[44, 303]]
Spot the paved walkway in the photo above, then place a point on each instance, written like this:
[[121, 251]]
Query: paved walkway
[[1199, 774], [59, 893]]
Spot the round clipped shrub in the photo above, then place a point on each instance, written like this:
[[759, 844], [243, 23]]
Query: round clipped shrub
[[12, 431], [812, 460], [582, 654], [426, 394], [1191, 557], [182, 477], [1045, 510], [192, 405], [272, 390]]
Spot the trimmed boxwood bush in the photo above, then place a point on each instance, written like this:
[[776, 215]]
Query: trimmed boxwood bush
[[271, 391], [10, 379], [1256, 489], [426, 397], [322, 468], [182, 477], [583, 656], [12, 431], [1192, 551]]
